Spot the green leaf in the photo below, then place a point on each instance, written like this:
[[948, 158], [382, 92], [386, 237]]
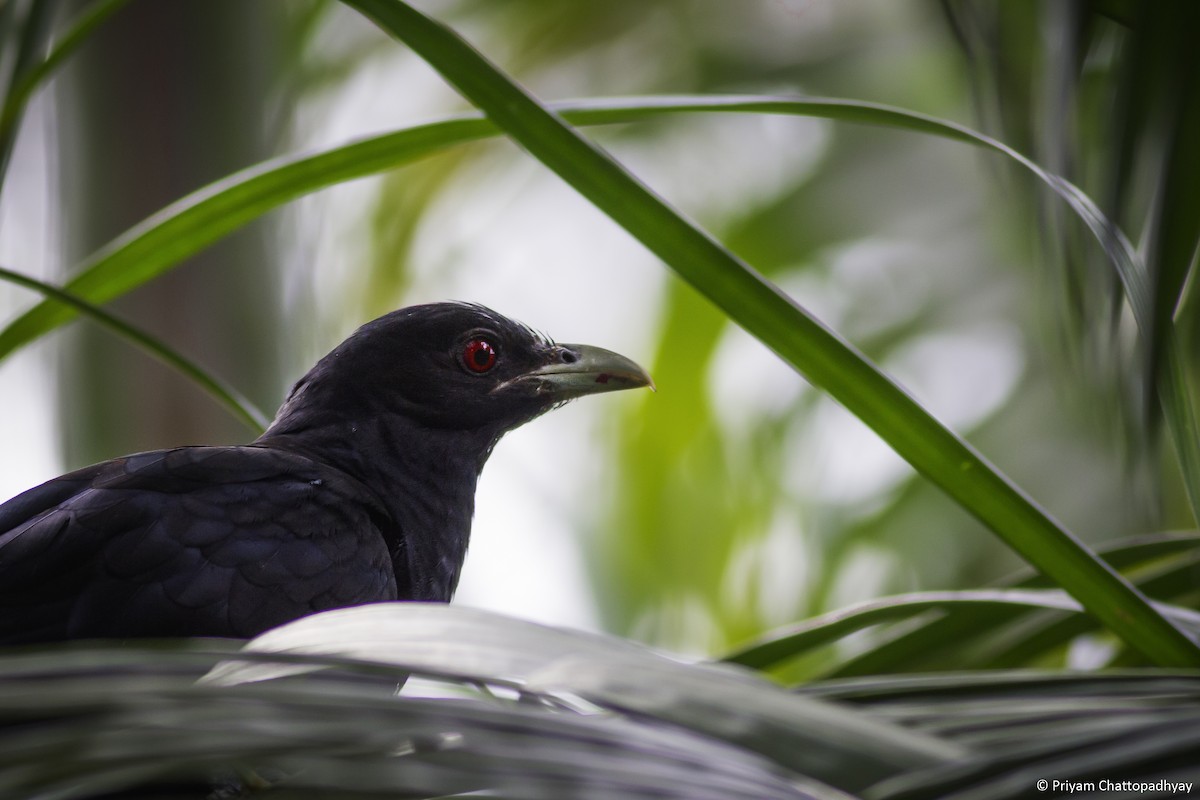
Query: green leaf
[[29, 41], [28, 77], [776, 320], [347, 735], [1163, 564], [1027, 726], [184, 228], [163, 240], [977, 603], [1163, 567], [189, 225], [227, 396]]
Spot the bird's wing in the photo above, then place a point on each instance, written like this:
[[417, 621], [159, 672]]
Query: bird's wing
[[195, 541]]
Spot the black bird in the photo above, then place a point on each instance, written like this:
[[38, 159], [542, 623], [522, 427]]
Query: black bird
[[361, 490]]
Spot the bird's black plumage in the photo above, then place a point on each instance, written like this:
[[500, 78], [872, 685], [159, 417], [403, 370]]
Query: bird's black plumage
[[362, 490]]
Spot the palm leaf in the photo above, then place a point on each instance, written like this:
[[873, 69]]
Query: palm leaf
[[987, 608], [1028, 726], [163, 240], [591, 716], [723, 704], [1011, 625], [1133, 124], [311, 709]]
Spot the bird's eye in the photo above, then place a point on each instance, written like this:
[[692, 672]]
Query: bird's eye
[[479, 355]]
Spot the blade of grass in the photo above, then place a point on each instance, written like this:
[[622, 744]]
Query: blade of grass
[[1128, 554], [1175, 584], [992, 605], [918, 648], [203, 217], [1159, 97], [830, 627], [27, 83], [1163, 564], [1012, 639], [1021, 689], [187, 226], [797, 337], [228, 397], [34, 33]]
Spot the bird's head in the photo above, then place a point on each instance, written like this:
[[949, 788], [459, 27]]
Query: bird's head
[[453, 366]]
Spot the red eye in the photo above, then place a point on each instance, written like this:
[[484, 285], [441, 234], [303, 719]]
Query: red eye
[[479, 355]]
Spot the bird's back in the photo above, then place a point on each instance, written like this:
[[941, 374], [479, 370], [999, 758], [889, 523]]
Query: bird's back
[[194, 541]]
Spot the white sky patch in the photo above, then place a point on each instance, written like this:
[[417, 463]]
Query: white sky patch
[[27, 432], [681, 624], [747, 382], [772, 573], [865, 287], [536, 251], [717, 165], [522, 559], [1091, 652], [862, 576], [785, 571], [839, 460], [961, 376], [881, 283]]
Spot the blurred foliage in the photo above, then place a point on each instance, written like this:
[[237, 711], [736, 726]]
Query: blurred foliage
[[1105, 94], [529, 712], [741, 500], [738, 499]]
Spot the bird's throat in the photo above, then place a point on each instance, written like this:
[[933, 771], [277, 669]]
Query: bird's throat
[[425, 481]]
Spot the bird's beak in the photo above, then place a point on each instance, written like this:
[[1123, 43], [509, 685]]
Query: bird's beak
[[580, 369]]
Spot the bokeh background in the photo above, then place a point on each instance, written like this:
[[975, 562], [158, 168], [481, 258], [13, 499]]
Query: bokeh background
[[734, 499]]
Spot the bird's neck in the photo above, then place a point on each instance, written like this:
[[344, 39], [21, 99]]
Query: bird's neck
[[424, 478]]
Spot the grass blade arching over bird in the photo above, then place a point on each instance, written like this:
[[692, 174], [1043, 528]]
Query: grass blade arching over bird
[[797, 337]]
